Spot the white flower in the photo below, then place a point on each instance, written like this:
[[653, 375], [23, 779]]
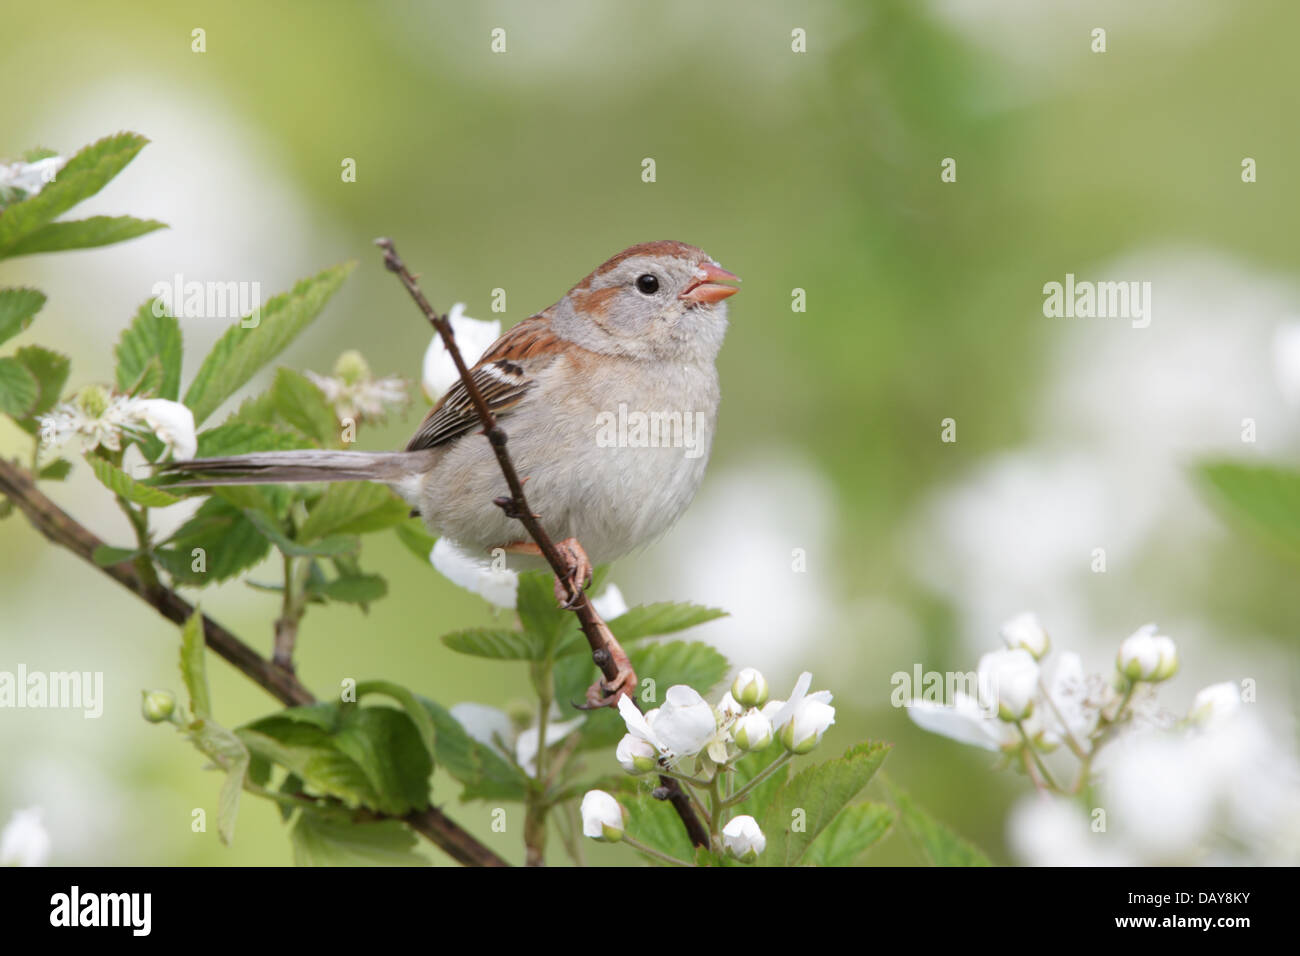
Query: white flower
[[1286, 361], [610, 604], [602, 816], [1026, 632], [807, 725], [1147, 656], [752, 731], [682, 727], [31, 178], [1052, 831], [965, 721], [1009, 678], [743, 839], [24, 841], [729, 707], [781, 714], [497, 586], [749, 688], [1080, 698], [636, 755], [1215, 704], [473, 338], [356, 394], [172, 422], [95, 417], [526, 742]]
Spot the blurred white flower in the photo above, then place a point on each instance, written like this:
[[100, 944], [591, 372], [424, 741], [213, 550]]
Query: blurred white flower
[[494, 728], [1079, 697], [749, 688], [96, 417], [31, 178], [610, 604], [635, 754], [1046, 830], [24, 841], [1286, 361], [526, 742], [1215, 704], [964, 720], [354, 393], [602, 816], [172, 422], [1025, 631], [752, 731], [1147, 655], [1008, 678], [497, 586], [743, 839], [473, 337]]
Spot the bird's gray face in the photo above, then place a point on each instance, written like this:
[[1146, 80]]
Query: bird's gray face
[[668, 307]]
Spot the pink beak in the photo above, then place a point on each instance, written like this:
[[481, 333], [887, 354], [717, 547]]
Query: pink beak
[[705, 289]]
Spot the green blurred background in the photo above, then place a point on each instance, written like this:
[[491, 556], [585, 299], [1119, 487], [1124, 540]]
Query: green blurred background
[[818, 171]]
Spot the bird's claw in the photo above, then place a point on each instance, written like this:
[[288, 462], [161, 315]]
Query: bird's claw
[[578, 572]]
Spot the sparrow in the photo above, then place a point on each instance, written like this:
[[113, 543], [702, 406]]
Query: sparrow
[[609, 399]]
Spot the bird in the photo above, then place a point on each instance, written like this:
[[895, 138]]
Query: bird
[[609, 399]]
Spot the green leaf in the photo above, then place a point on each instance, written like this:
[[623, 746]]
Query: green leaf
[[814, 796], [650, 620], [17, 309], [419, 715], [749, 766], [849, 835], [82, 234], [484, 772], [498, 644], [19, 390], [413, 534], [656, 824], [106, 556], [120, 483], [239, 353], [193, 670], [353, 588], [236, 438], [228, 541], [152, 335], [940, 845], [50, 370], [300, 403], [321, 841], [551, 625], [55, 470], [352, 507], [85, 174], [325, 547], [1262, 499]]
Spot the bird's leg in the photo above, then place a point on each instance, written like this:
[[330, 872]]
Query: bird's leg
[[606, 693]]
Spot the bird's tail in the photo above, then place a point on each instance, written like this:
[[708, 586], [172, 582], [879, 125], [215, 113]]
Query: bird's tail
[[274, 467]]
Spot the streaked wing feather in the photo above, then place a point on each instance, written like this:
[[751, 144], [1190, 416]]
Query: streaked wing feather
[[502, 383]]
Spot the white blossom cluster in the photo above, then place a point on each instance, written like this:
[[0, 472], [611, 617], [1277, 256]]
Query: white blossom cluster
[[97, 417], [354, 392]]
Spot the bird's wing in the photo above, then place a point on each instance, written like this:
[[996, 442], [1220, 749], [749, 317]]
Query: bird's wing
[[503, 375]]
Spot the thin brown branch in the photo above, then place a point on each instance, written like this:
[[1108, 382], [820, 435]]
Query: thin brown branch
[[66, 532], [516, 506]]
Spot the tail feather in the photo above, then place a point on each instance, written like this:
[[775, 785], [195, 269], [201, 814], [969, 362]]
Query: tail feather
[[274, 467]]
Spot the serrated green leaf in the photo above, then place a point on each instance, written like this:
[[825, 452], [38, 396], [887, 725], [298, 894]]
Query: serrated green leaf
[[665, 617], [82, 234], [193, 669], [352, 507], [85, 174], [19, 390], [239, 353], [656, 824], [485, 773], [320, 841], [814, 796], [50, 370], [386, 746], [940, 845], [300, 403], [353, 588], [17, 309], [551, 625], [271, 530], [419, 715], [236, 438], [228, 540], [120, 483], [152, 336], [497, 644], [1262, 499], [853, 831], [750, 766]]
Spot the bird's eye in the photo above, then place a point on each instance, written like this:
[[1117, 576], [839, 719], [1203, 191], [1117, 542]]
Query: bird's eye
[[647, 284]]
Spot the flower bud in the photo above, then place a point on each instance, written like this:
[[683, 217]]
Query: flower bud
[[1027, 633], [1147, 656], [157, 705], [1215, 704], [743, 839], [804, 730], [1008, 679], [602, 817], [749, 688], [636, 755], [752, 731], [352, 367]]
